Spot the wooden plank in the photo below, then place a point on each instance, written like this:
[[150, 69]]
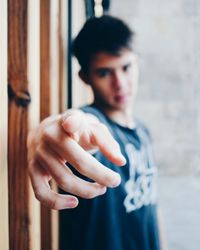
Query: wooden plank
[[61, 56], [54, 91], [19, 98], [63, 48], [34, 110], [46, 225], [4, 237], [49, 102], [55, 225], [54, 51], [44, 58]]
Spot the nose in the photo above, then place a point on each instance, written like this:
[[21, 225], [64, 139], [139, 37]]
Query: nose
[[119, 80]]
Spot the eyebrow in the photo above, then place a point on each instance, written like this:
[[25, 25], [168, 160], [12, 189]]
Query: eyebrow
[[110, 68], [102, 69]]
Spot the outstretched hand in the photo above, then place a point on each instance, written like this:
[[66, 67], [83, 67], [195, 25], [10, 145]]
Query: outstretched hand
[[68, 138]]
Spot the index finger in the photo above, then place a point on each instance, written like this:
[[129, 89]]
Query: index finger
[[94, 135], [86, 164]]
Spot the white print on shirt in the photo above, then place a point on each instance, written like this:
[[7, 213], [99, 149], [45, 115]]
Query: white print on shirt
[[141, 186]]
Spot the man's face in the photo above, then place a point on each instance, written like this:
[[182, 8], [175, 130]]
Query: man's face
[[113, 79]]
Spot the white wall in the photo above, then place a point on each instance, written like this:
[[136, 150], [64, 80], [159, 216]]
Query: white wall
[[168, 44]]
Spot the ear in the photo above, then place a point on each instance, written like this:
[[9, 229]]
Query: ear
[[83, 76]]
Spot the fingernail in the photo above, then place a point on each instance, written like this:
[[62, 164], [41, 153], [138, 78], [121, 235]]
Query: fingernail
[[123, 159], [116, 181], [103, 191], [65, 117], [71, 202]]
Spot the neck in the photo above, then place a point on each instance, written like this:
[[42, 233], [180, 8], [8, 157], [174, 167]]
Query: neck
[[123, 117]]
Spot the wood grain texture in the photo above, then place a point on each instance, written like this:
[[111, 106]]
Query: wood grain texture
[[4, 236], [19, 99], [44, 58], [46, 241], [63, 41], [54, 91], [61, 59], [54, 51]]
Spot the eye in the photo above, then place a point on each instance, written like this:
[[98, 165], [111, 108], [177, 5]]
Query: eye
[[103, 72], [126, 67]]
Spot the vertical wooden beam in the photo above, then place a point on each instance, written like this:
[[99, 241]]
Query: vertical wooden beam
[[46, 225], [63, 49], [61, 56], [34, 110], [52, 75], [44, 58], [54, 51], [49, 79], [19, 98], [54, 66], [69, 61], [4, 237]]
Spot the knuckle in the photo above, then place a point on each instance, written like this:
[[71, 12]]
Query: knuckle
[[39, 194], [54, 203], [31, 165], [47, 134], [51, 202], [38, 153], [108, 179], [81, 168], [101, 126], [89, 194], [104, 127], [63, 182]]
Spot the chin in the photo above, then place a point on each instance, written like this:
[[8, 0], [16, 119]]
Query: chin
[[120, 106]]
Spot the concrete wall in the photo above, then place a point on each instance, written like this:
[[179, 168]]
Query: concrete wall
[[168, 45]]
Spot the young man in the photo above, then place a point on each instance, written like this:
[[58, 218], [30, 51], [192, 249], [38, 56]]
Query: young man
[[82, 148]]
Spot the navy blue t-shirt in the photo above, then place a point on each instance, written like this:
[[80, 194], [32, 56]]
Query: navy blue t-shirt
[[124, 218]]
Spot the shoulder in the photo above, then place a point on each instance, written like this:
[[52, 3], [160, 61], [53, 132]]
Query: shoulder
[[88, 108], [143, 129], [92, 109]]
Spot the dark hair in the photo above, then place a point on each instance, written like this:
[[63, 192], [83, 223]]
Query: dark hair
[[106, 33]]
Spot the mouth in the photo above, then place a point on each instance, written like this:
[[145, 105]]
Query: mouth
[[121, 98]]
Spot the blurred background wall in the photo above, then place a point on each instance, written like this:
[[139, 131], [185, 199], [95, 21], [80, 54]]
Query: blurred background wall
[[168, 45]]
